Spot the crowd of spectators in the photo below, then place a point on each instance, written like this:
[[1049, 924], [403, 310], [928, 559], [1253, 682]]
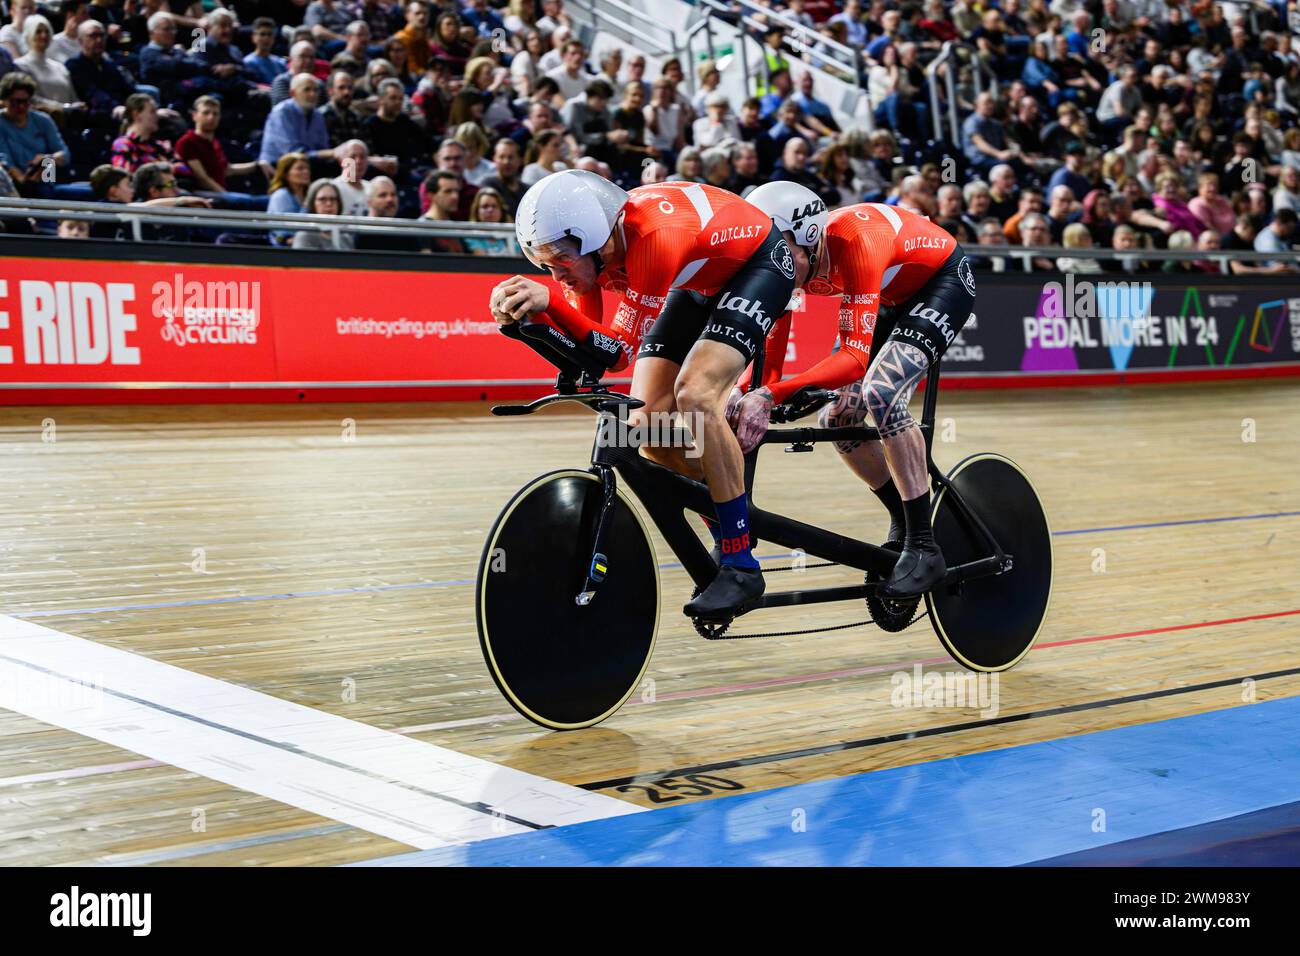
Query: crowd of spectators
[[1125, 124]]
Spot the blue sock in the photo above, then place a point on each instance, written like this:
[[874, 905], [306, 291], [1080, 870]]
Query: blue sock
[[712, 525], [733, 526]]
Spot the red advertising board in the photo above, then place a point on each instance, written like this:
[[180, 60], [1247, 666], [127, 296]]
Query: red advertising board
[[78, 330], [76, 321], [135, 325]]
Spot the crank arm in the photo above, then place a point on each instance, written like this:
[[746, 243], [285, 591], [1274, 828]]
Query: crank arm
[[598, 566]]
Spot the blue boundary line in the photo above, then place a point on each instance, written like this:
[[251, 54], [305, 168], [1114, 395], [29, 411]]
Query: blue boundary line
[[1173, 524], [1269, 837], [1018, 805], [466, 582]]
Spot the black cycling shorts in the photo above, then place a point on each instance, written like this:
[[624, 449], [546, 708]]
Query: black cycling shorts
[[741, 314], [934, 315]]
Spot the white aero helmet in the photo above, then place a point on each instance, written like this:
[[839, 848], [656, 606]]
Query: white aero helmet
[[793, 208], [572, 203]]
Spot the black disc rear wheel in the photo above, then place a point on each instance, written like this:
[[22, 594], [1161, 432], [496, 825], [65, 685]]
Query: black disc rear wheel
[[560, 664], [990, 623]]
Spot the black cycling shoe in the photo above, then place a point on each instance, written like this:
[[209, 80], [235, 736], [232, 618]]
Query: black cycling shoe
[[716, 557], [896, 536], [734, 591], [919, 568]]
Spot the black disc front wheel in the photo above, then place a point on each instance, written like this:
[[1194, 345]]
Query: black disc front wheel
[[989, 623], [561, 664]]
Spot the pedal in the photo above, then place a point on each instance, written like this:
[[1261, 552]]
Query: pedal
[[798, 448], [596, 574]]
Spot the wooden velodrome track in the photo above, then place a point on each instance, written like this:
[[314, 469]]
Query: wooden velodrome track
[[329, 563]]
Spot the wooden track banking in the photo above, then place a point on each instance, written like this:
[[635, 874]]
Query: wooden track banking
[[106, 519]]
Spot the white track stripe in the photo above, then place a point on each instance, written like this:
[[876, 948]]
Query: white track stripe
[[407, 790]]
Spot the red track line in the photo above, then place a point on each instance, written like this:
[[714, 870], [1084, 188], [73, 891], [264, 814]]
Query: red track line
[[1173, 627], [900, 665]]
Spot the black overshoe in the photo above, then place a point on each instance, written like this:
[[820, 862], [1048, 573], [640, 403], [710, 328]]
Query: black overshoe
[[734, 591], [920, 567]]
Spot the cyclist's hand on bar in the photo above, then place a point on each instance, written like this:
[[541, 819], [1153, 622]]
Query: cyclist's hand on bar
[[732, 413], [522, 297], [752, 415]]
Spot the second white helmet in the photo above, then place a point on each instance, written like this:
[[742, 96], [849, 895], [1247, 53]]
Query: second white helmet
[[793, 208]]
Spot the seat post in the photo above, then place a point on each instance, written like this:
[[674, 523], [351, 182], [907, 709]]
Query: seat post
[[927, 410], [755, 381]]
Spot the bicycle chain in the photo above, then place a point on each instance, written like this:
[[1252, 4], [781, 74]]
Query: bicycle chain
[[718, 632]]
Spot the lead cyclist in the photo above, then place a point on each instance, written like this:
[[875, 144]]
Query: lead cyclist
[[700, 276]]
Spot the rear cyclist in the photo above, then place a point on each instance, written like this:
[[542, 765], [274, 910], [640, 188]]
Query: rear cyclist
[[701, 275], [876, 255]]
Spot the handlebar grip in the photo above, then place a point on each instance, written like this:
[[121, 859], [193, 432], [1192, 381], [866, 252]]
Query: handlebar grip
[[801, 403]]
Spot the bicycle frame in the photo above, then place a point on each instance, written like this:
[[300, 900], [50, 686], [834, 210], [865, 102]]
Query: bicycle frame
[[667, 495]]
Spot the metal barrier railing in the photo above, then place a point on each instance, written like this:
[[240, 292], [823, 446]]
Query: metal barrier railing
[[136, 217], [817, 51], [1223, 257], [705, 25], [593, 17], [949, 56]]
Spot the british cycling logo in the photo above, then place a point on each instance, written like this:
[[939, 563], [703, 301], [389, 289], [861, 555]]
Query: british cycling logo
[[783, 258], [207, 313], [966, 275]]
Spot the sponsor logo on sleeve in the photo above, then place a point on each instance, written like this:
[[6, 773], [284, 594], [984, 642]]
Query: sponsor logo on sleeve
[[605, 343], [966, 275], [783, 258]]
